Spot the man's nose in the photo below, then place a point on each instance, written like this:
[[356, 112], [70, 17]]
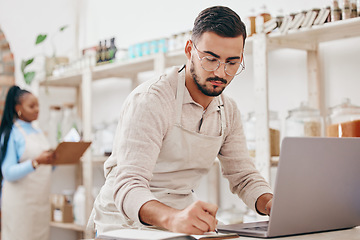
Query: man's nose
[[220, 71]]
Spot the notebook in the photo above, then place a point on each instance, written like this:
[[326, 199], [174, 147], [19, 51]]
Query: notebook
[[140, 234], [317, 188]]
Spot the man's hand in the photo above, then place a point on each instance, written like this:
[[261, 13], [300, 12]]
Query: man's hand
[[198, 218], [264, 203]]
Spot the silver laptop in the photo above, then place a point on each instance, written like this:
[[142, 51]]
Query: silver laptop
[[317, 189]]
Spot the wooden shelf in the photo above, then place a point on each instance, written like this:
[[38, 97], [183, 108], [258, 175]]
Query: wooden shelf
[[306, 39], [68, 80], [69, 226], [309, 38], [124, 69]]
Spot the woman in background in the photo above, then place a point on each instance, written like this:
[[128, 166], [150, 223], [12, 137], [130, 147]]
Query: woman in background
[[26, 170]]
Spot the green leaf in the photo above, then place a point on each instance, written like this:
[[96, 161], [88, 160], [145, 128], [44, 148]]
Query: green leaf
[[40, 38], [63, 28], [29, 77], [25, 63]]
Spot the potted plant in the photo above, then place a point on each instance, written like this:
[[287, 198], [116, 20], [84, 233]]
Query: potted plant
[[50, 62]]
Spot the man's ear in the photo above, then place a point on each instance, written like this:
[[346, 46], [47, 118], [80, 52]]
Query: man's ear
[[188, 48]]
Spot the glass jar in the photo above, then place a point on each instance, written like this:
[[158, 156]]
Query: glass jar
[[344, 120], [54, 127], [336, 12], [346, 10], [303, 121], [69, 119], [251, 23], [354, 9], [274, 128]]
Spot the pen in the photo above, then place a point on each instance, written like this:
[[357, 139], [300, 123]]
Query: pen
[[216, 231]]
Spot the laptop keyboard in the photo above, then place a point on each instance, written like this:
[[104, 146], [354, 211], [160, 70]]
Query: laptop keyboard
[[262, 228]]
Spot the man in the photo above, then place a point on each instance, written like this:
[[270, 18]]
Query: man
[[171, 130]]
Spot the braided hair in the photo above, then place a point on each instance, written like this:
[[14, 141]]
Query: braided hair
[[13, 98]]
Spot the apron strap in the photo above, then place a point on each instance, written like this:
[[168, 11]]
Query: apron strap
[[179, 96], [222, 116], [20, 129]]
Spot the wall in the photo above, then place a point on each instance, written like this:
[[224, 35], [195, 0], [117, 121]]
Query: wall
[[7, 69], [136, 21]]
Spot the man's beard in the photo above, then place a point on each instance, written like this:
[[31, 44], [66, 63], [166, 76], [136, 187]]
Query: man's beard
[[212, 91]]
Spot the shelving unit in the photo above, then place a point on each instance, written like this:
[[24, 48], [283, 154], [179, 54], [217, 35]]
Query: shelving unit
[[302, 39], [259, 46], [69, 226], [82, 82]]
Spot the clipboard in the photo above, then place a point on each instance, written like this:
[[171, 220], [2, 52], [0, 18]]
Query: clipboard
[[70, 152]]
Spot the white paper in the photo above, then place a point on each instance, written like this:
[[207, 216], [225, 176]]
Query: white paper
[[72, 136], [140, 234]]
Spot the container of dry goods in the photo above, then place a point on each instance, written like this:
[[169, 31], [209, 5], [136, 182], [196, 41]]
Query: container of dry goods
[[303, 121], [343, 120], [274, 128]]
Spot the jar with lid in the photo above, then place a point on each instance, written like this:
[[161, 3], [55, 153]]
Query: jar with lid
[[251, 23], [336, 12], [344, 120], [279, 17], [354, 9], [265, 14], [69, 120], [54, 127], [274, 128], [346, 10], [303, 121]]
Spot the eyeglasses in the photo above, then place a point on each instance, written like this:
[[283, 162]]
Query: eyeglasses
[[210, 64]]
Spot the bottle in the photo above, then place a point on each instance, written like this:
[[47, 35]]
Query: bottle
[[112, 49], [99, 53], [162, 44], [104, 52], [79, 206], [172, 43]]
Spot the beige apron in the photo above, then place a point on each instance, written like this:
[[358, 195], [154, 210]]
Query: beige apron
[[25, 202], [184, 158]]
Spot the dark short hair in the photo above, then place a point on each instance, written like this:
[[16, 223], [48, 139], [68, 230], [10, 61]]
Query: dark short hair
[[220, 20]]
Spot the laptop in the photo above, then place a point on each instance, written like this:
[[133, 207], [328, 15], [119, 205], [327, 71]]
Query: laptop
[[317, 189]]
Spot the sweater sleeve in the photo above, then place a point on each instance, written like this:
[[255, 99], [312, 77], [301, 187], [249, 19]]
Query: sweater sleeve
[[238, 167], [137, 145], [12, 170]]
